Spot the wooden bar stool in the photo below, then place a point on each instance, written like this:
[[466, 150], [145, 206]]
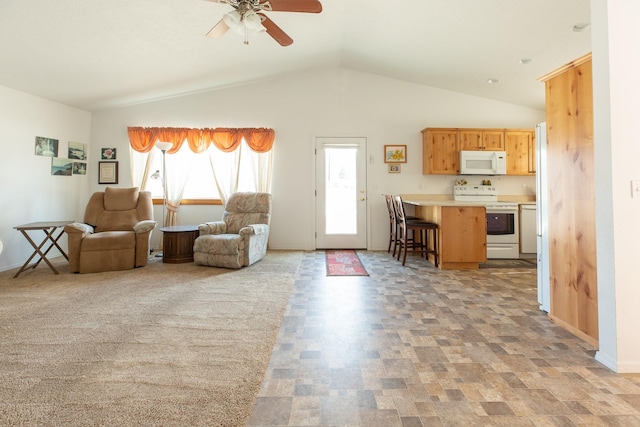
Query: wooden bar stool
[[393, 224], [394, 230], [427, 231]]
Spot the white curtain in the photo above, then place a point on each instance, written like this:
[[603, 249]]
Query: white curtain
[[178, 171], [140, 166]]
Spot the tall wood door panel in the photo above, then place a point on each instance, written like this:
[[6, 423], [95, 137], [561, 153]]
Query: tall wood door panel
[[570, 165], [440, 151]]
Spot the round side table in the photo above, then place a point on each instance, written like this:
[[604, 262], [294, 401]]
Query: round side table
[[177, 243]]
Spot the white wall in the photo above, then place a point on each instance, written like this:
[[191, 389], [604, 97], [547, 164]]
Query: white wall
[[28, 191], [334, 103], [616, 62]]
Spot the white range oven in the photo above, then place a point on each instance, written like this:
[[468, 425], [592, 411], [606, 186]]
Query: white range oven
[[502, 219]]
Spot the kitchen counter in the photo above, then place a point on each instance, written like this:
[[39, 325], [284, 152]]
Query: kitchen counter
[[462, 229], [426, 202], [447, 199]]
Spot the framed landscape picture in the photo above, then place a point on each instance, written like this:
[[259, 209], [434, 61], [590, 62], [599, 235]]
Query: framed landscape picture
[[47, 147], [77, 151], [395, 154], [61, 166]]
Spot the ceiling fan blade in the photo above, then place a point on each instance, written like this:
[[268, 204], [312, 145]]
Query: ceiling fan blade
[[276, 32], [309, 6], [218, 30]]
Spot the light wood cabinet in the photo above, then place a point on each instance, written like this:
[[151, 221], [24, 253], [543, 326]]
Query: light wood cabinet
[[521, 152], [570, 172], [441, 148], [440, 151], [481, 139], [462, 234]]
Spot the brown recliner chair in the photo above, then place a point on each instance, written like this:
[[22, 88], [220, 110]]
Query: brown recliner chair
[[115, 233]]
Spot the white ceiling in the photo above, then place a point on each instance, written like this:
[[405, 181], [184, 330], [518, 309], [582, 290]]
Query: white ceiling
[[95, 54]]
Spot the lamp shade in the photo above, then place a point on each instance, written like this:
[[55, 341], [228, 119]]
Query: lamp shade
[[253, 22], [233, 19], [163, 146]]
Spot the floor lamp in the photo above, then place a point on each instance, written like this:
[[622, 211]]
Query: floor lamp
[[164, 146]]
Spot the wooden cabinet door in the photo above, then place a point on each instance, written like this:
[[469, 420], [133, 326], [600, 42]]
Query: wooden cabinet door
[[440, 152], [482, 139], [518, 145], [463, 236], [470, 139], [493, 140]]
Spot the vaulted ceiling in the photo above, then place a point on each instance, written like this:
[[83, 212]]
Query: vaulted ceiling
[[97, 54]]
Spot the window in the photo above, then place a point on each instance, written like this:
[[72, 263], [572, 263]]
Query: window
[[228, 160], [240, 170], [200, 182]]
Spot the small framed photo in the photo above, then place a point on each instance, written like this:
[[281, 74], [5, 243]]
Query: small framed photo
[[107, 172], [108, 153], [393, 168], [79, 168], [395, 154]]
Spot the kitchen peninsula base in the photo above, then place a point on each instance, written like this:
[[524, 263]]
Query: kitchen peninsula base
[[462, 239]]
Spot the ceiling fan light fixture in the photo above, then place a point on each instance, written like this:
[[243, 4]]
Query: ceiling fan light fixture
[[253, 22], [233, 19]]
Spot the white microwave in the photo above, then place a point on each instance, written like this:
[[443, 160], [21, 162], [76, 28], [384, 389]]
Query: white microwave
[[483, 162]]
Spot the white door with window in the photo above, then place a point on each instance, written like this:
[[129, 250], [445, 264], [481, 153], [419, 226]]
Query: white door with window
[[341, 196]]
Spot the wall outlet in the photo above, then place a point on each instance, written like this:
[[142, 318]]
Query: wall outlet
[[635, 188]]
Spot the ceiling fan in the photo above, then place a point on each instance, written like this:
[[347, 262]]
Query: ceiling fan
[[248, 16]]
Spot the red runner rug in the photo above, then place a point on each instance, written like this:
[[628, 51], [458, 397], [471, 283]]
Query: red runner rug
[[344, 263]]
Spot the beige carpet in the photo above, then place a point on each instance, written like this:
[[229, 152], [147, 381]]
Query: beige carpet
[[163, 345]]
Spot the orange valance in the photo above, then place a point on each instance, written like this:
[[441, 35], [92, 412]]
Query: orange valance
[[225, 139]]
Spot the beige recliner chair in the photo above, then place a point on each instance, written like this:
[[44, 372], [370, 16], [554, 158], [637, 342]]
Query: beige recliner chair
[[115, 233], [241, 238]]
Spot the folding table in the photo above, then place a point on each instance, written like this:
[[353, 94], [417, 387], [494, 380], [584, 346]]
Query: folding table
[[51, 237]]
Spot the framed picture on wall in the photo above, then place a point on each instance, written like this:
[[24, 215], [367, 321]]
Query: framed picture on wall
[[77, 150], [395, 154], [61, 166], [393, 168], [47, 147], [108, 153], [79, 168], [107, 172]]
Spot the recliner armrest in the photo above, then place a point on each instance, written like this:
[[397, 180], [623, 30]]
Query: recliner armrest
[[214, 227], [254, 229], [78, 227], [144, 226]]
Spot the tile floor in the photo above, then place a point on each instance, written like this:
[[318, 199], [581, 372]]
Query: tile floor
[[417, 346]]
